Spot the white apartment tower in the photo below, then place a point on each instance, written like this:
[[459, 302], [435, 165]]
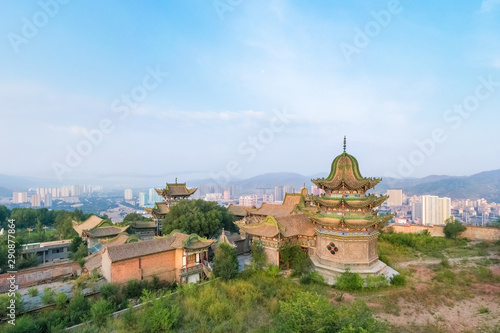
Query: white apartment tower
[[395, 197]]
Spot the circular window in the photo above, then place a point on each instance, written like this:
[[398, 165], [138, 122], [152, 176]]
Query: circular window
[[332, 248]]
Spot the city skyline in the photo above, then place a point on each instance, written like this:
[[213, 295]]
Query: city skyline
[[253, 88]]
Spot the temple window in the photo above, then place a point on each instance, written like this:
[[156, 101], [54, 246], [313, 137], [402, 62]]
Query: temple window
[[332, 248]]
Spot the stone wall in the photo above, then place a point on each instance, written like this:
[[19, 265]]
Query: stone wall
[[472, 232], [165, 265], [41, 274]]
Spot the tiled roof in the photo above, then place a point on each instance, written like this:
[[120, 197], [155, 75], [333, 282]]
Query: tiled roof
[[296, 224], [143, 225], [90, 223], [138, 249], [157, 245], [176, 189], [291, 201], [265, 228], [105, 231], [118, 240], [240, 210], [93, 261]]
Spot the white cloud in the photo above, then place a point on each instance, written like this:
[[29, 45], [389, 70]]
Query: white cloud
[[202, 116], [489, 5]]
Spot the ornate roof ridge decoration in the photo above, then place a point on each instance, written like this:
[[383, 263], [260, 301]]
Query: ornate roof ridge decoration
[[368, 201], [345, 174], [175, 190]]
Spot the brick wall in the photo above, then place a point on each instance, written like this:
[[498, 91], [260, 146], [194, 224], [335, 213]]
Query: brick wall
[[472, 232], [165, 265], [42, 274]]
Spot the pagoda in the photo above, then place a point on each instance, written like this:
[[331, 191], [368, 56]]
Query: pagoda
[[346, 221], [172, 193]]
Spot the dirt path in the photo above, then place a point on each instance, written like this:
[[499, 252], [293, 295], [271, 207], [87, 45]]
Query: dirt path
[[437, 261]]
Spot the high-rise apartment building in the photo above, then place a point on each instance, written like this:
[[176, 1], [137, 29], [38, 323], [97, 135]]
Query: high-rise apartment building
[[20, 197], [35, 200], [395, 197], [142, 199], [128, 194], [435, 210], [278, 193]]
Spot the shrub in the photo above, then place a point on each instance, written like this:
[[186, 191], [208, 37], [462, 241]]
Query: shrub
[[292, 256], [313, 277], [453, 229], [5, 302], [33, 292], [61, 300], [484, 310], [78, 309], [398, 280], [375, 282], [445, 276], [225, 262], [133, 289], [48, 296], [272, 270], [259, 257], [110, 292], [100, 311], [349, 281], [160, 316]]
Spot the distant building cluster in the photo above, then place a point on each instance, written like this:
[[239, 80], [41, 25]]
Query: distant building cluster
[[45, 195], [433, 210]]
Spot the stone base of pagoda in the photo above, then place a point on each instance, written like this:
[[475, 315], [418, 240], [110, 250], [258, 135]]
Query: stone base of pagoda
[[331, 271]]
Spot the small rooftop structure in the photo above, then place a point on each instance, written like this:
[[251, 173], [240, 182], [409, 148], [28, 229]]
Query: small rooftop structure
[[88, 224]]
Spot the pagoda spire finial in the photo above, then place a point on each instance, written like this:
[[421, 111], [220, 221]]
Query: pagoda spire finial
[[345, 144]]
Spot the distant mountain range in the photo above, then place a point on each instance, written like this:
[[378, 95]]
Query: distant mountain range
[[482, 185]]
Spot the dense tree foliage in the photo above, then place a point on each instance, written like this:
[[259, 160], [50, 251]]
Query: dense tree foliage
[[225, 262], [4, 215], [204, 218], [259, 257], [453, 229], [135, 217], [292, 256]]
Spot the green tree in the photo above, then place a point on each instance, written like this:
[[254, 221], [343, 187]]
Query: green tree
[[453, 228], [349, 281], [78, 309], [100, 311], [61, 300], [201, 217], [80, 253], [134, 217], [4, 215], [64, 226], [259, 256], [292, 256], [225, 262], [305, 312], [75, 243]]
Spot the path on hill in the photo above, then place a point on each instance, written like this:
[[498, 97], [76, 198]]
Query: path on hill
[[437, 261]]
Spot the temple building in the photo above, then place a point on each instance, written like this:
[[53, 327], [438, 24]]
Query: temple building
[[338, 228], [177, 257], [171, 194]]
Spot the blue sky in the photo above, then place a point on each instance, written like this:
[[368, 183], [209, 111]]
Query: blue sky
[[232, 66]]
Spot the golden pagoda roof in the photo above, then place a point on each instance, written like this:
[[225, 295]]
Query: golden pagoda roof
[[176, 189], [370, 200], [345, 174], [272, 226]]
